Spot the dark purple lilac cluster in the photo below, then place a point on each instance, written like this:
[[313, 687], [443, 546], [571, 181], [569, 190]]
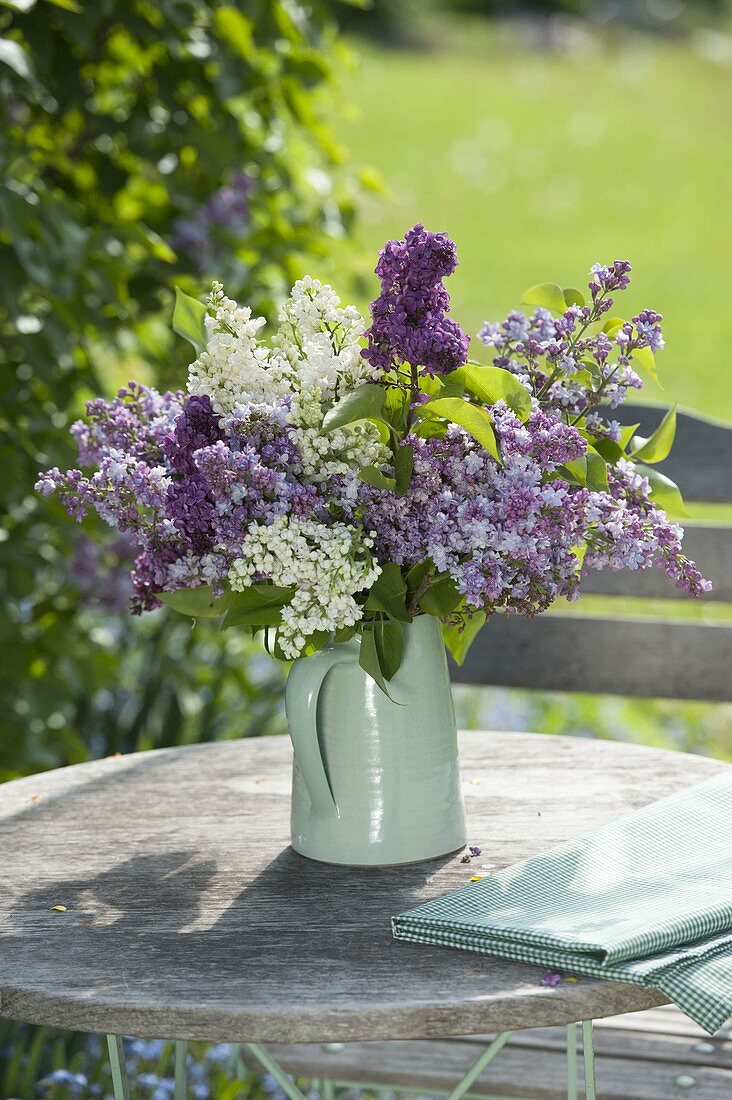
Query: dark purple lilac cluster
[[408, 319], [226, 213], [195, 427]]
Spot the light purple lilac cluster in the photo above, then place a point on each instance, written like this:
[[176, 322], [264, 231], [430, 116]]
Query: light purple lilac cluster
[[408, 319], [627, 531], [226, 213], [564, 365], [508, 535]]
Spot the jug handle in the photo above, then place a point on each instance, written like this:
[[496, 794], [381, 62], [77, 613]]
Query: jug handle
[[304, 683]]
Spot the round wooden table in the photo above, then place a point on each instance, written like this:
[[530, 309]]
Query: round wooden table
[[187, 915]]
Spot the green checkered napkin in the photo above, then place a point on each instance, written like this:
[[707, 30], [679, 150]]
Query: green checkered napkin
[[646, 899]]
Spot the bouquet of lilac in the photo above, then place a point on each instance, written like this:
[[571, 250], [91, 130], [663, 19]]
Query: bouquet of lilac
[[339, 479]]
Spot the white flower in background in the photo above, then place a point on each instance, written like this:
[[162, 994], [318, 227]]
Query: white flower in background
[[327, 565]]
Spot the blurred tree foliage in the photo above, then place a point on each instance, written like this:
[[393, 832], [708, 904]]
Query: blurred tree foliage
[[143, 143]]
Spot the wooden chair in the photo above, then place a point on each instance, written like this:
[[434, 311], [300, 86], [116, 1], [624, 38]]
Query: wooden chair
[[647, 1056]]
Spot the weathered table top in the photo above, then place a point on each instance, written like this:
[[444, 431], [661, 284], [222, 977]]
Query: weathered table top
[[189, 916]]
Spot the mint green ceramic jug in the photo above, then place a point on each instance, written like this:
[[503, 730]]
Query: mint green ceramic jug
[[375, 782]]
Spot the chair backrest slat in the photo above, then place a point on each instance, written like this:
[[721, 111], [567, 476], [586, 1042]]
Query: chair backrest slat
[[700, 460], [638, 657]]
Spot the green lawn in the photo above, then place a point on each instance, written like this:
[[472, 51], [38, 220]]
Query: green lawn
[[540, 164]]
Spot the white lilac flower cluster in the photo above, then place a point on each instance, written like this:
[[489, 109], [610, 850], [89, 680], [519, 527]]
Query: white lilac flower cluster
[[315, 358], [325, 564]]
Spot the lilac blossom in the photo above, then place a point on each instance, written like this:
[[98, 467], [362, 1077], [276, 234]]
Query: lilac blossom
[[188, 513], [506, 536], [408, 319], [240, 481], [562, 363], [627, 531]]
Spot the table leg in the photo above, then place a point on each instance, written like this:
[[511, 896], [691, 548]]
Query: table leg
[[120, 1084], [588, 1055], [479, 1065], [286, 1083], [572, 1062], [121, 1088], [181, 1073]]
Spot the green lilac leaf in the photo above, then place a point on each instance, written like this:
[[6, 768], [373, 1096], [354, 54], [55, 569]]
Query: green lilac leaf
[[258, 605], [453, 385], [658, 446], [315, 642], [416, 575], [646, 361], [572, 296], [396, 406], [665, 493], [472, 418], [199, 603], [611, 451], [188, 315], [627, 433], [373, 476], [547, 295], [596, 471], [363, 403], [459, 642], [403, 467], [389, 639], [430, 385], [441, 598], [576, 469], [613, 326], [368, 659], [389, 593], [490, 384], [430, 429]]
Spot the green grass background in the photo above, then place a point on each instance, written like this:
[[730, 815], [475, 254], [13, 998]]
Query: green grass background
[[539, 164]]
